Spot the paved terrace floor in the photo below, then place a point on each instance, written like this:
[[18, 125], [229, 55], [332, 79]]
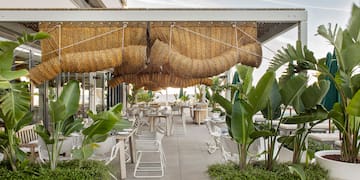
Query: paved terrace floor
[[187, 157]]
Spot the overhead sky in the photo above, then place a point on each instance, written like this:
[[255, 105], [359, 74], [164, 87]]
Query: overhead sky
[[319, 12]]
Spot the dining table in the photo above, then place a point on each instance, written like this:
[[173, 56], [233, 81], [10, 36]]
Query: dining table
[[166, 117]]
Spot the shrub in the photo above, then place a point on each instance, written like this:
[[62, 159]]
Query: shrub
[[69, 170], [231, 171], [316, 146]]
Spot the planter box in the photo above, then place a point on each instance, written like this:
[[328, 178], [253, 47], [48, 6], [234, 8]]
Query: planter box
[[337, 170]]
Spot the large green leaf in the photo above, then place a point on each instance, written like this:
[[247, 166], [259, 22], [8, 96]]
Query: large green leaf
[[354, 106], [72, 125], [116, 110], [272, 109], [319, 113], [354, 23], [351, 57], [102, 124], [27, 118], [5, 84], [258, 97], [241, 121], [44, 134], [337, 115], [355, 82], [11, 75], [14, 104], [103, 121], [245, 74], [57, 111], [313, 94], [226, 104], [344, 81], [70, 97], [292, 89], [7, 54]]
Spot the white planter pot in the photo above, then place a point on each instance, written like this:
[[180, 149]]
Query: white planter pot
[[337, 170], [286, 155]]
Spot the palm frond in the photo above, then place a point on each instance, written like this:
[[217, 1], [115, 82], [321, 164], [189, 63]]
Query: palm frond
[[300, 53]]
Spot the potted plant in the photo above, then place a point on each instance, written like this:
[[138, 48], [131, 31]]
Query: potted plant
[[246, 102], [63, 123], [14, 98], [345, 114]]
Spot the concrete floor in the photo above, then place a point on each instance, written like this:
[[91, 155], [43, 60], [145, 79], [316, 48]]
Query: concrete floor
[[187, 157]]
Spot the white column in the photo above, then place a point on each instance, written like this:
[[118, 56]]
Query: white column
[[92, 91], [302, 32]]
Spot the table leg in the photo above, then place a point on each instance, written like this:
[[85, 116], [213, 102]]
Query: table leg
[[132, 148], [152, 123], [122, 159], [167, 119]]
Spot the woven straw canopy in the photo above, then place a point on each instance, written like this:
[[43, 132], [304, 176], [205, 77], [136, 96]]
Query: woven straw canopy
[[153, 55]]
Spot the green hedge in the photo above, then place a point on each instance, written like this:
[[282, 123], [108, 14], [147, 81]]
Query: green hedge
[[69, 170], [231, 171]]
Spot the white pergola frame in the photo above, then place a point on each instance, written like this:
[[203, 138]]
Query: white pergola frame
[[296, 16]]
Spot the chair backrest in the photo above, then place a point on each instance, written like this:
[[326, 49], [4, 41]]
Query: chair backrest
[[114, 152], [229, 145], [159, 136], [214, 130], [27, 134], [106, 146]]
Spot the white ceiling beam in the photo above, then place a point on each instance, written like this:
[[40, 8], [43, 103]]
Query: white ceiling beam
[[261, 15]]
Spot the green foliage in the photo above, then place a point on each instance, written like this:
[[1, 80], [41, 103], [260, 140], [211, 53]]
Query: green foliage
[[62, 121], [185, 97], [345, 114], [258, 171], [244, 105], [316, 146], [144, 96], [296, 168], [14, 98], [71, 170], [98, 131]]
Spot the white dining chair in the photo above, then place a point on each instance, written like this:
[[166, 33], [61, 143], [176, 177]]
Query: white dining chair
[[145, 149], [215, 132]]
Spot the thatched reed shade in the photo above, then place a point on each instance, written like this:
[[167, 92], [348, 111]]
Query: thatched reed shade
[[134, 60], [204, 40], [92, 61], [46, 71], [66, 36], [155, 54], [158, 80], [184, 66]]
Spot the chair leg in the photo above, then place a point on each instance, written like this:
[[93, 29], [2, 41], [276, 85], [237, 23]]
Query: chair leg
[[184, 125], [113, 176], [139, 168]]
